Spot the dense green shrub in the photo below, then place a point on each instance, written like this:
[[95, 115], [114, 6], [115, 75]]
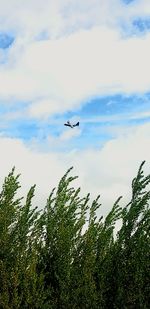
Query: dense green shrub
[[66, 256]]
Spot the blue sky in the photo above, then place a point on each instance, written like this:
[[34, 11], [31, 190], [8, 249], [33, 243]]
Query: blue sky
[[84, 61]]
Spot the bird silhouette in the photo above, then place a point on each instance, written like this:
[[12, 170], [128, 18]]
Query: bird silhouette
[[68, 124]]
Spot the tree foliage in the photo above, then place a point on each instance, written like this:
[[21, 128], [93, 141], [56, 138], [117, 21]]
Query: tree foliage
[[67, 255]]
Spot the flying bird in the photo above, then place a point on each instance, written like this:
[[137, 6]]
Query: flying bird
[[68, 124]]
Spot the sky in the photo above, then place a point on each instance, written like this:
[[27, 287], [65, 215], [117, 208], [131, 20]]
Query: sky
[[85, 61]]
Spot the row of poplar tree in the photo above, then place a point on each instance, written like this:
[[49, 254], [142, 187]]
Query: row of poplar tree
[[48, 259]]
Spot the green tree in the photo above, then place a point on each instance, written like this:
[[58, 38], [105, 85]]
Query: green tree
[[67, 256]]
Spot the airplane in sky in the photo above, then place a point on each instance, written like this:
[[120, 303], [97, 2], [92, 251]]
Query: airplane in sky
[[68, 124]]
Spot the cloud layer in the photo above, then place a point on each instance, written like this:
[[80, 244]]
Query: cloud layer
[[64, 54], [107, 171], [58, 70]]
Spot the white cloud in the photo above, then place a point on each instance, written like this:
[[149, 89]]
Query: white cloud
[[107, 171], [43, 108], [31, 18], [42, 143], [67, 71], [84, 55], [69, 134], [42, 169], [110, 170]]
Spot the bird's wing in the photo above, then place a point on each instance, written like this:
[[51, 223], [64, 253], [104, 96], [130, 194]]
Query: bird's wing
[[77, 124], [67, 125]]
